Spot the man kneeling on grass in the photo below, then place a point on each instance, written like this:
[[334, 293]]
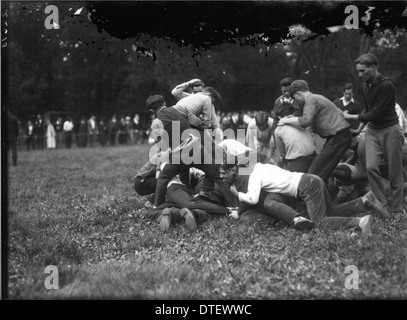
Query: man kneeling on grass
[[312, 190]]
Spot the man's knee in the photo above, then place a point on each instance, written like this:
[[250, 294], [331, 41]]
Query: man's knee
[[270, 205]]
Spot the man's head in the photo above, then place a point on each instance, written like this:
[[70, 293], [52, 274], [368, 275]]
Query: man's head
[[213, 94], [227, 172], [367, 65], [285, 86], [298, 90], [348, 91], [285, 109], [197, 86], [155, 102], [261, 119]]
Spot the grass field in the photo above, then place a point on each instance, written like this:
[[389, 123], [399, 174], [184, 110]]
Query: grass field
[[76, 209]]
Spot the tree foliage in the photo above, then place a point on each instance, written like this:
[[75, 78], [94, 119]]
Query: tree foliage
[[82, 69]]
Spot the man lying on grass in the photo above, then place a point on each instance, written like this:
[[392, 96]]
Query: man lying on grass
[[312, 190], [182, 204]]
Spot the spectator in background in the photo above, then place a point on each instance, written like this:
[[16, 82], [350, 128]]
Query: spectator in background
[[136, 128], [123, 134], [347, 103], [68, 132], [82, 134], [285, 85], [187, 88], [22, 137], [12, 134], [259, 136], [325, 119], [59, 129], [112, 129], [39, 132], [50, 134], [93, 130], [103, 132], [30, 135]]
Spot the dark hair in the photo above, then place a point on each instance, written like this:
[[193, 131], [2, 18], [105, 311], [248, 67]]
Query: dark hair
[[285, 109], [367, 59], [198, 83], [347, 86], [155, 101], [298, 85], [261, 118], [215, 94], [286, 82]]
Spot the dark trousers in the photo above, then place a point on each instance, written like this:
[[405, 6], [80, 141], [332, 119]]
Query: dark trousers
[[30, 142], [145, 186], [68, 139], [12, 144], [171, 170], [277, 206], [39, 141], [181, 196], [301, 164], [334, 148], [312, 189]]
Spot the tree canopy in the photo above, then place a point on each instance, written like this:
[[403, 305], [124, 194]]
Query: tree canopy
[[108, 57]]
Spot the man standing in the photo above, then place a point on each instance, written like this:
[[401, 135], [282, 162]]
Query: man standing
[[326, 120], [286, 97], [383, 135], [68, 132], [347, 103], [93, 130], [12, 134]]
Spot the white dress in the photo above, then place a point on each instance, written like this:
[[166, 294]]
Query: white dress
[[51, 141]]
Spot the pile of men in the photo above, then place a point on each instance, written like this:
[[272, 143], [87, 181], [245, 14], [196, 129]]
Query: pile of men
[[305, 151]]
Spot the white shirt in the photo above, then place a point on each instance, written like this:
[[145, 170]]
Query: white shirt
[[68, 125], [345, 103], [270, 178]]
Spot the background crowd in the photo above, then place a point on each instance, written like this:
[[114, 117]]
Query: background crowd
[[50, 131]]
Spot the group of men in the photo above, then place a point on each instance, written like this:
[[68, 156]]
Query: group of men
[[195, 170]]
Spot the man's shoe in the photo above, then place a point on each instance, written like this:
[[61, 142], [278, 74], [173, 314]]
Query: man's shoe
[[165, 221], [301, 223], [209, 197], [365, 224], [189, 218], [374, 203]]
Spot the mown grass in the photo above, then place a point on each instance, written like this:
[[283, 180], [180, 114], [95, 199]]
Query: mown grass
[[76, 209]]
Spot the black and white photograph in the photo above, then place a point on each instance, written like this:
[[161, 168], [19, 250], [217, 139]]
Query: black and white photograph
[[204, 156]]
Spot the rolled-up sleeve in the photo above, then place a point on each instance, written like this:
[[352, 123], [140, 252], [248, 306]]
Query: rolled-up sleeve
[[308, 113], [253, 190]]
